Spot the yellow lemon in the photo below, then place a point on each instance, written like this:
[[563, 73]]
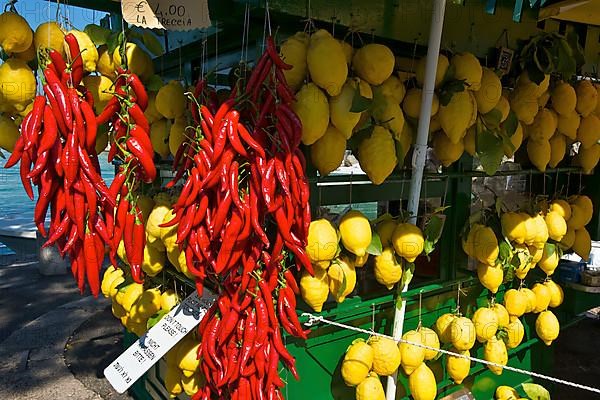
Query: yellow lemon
[[100, 87], [370, 388], [151, 112], [515, 140], [355, 231], [588, 158], [154, 260], [446, 151], [388, 271], [9, 133], [523, 102], [550, 258], [442, 327], [138, 61], [506, 393], [377, 155], [582, 244], [357, 362], [588, 132], [421, 383], [485, 246], [105, 65], [15, 33], [411, 356], [462, 333], [568, 240], [131, 294], [388, 114], [489, 94], [467, 68], [169, 299], [327, 153], [430, 339], [586, 206], [293, 52], [539, 89], [569, 124], [503, 107], [501, 314], [315, 289], [490, 276], [564, 98], [557, 226], [514, 226], [187, 355], [458, 367], [342, 278], [147, 304], [539, 153], [542, 297], [455, 117], [486, 323], [470, 141], [339, 109], [494, 350], [412, 103], [89, 53], [562, 207], [348, 51], [17, 84], [515, 302], [440, 73], [531, 299], [49, 35], [547, 327], [177, 134], [322, 240], [173, 381], [373, 63], [515, 333], [170, 100], [393, 88], [386, 355], [587, 97], [408, 241], [312, 108], [326, 62], [556, 293], [385, 229], [159, 136]]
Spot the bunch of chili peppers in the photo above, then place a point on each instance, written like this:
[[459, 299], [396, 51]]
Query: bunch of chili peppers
[[56, 151], [132, 150], [242, 220]]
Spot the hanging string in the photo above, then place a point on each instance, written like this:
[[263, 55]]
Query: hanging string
[[372, 317], [313, 319], [420, 324]]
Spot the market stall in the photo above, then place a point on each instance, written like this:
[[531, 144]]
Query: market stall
[[331, 199]]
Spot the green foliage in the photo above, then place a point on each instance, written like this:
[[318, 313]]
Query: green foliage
[[375, 247], [153, 320], [535, 391]]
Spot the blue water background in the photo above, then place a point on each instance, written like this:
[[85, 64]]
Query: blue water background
[[16, 207]]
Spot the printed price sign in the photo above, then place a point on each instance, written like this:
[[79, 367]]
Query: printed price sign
[[145, 352], [174, 15]]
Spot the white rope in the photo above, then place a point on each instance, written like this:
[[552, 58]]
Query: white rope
[[312, 319]]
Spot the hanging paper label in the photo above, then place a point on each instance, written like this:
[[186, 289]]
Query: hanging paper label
[[147, 350], [173, 15]]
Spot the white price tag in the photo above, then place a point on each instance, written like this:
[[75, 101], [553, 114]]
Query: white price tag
[[145, 352], [174, 15]]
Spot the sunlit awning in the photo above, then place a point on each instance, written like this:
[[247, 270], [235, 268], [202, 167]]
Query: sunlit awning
[[581, 11]]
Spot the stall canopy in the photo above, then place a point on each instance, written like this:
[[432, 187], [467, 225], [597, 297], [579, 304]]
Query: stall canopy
[[580, 11]]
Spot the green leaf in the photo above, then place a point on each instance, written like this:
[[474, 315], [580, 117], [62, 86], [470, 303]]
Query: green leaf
[[504, 250], [153, 320], [399, 153], [375, 246], [578, 56], [407, 274], [567, 65], [152, 43], [399, 299], [360, 103], [154, 83], [510, 124], [489, 151], [114, 40], [359, 136], [492, 119], [549, 248], [432, 232], [535, 74], [535, 391], [97, 34], [449, 88]]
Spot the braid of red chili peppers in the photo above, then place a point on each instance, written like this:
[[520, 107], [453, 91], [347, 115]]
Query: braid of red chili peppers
[[57, 154], [242, 220], [131, 149]]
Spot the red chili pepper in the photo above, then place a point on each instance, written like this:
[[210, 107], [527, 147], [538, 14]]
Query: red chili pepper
[[232, 231], [92, 173], [58, 61], [145, 159], [246, 137], [248, 342], [140, 91], [40, 165], [79, 203], [76, 59], [221, 213], [291, 281], [275, 56], [220, 135], [35, 124], [91, 263], [50, 131], [70, 160], [60, 94], [137, 115], [110, 110], [264, 64], [232, 133], [142, 136], [91, 127], [60, 120], [59, 232], [280, 347], [139, 237], [23, 172]]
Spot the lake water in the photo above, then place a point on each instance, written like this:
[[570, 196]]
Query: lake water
[[16, 207]]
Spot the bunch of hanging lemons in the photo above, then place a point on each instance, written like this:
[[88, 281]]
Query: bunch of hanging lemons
[[133, 304], [338, 89], [183, 373]]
